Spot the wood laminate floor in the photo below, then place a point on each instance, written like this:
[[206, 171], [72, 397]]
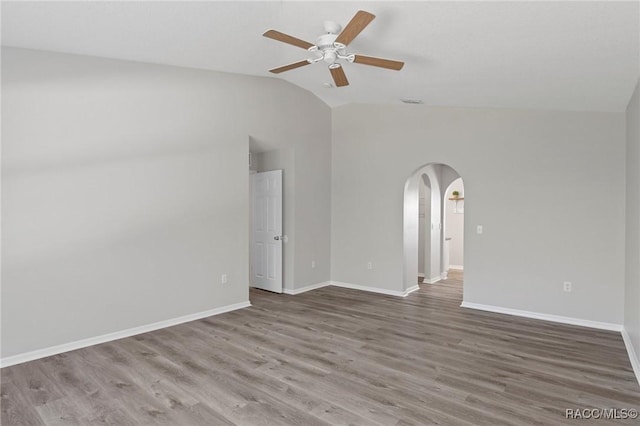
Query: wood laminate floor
[[333, 356]]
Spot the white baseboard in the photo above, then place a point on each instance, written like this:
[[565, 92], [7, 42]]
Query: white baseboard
[[457, 267], [411, 290], [432, 280], [295, 291], [353, 287], [370, 289], [79, 344], [545, 317], [633, 357]]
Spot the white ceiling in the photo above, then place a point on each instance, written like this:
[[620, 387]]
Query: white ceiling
[[547, 55]]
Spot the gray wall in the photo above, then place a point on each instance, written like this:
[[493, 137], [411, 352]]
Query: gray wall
[[632, 270], [307, 205], [125, 190], [313, 203], [125, 196], [530, 179]]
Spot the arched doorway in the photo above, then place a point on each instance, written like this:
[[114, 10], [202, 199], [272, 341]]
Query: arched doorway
[[434, 183]]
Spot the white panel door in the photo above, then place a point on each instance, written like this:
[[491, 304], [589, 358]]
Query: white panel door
[[267, 230]]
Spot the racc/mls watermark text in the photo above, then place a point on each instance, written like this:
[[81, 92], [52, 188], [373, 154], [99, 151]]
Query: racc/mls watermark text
[[601, 413]]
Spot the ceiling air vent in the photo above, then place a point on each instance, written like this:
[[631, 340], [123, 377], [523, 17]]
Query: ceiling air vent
[[412, 101]]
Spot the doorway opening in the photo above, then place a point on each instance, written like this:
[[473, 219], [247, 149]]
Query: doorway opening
[[433, 225], [265, 223]]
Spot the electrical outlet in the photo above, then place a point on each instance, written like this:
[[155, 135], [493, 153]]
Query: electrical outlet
[[223, 279], [480, 229], [313, 264], [567, 286], [369, 265]]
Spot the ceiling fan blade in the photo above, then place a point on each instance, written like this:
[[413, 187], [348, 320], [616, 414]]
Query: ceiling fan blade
[[285, 38], [339, 76], [378, 62], [358, 23], [289, 67]]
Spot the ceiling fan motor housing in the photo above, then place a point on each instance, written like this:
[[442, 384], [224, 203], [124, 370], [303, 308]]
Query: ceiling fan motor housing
[[327, 49], [325, 41], [332, 27]]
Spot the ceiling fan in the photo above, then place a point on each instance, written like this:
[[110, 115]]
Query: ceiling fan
[[331, 47]]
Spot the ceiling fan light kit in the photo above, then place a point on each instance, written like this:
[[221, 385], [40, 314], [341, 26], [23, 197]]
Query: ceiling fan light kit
[[331, 47]]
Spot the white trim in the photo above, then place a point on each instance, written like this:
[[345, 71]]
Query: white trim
[[370, 289], [457, 267], [411, 290], [420, 274], [544, 317], [79, 344], [444, 275], [432, 280], [404, 293], [633, 357], [295, 291]]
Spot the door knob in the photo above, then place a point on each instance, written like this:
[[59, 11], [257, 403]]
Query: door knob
[[277, 237]]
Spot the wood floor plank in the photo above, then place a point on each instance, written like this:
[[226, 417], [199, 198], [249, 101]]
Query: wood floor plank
[[333, 356], [15, 409]]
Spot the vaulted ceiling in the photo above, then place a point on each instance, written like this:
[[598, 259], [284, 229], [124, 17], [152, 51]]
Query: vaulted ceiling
[[543, 55]]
